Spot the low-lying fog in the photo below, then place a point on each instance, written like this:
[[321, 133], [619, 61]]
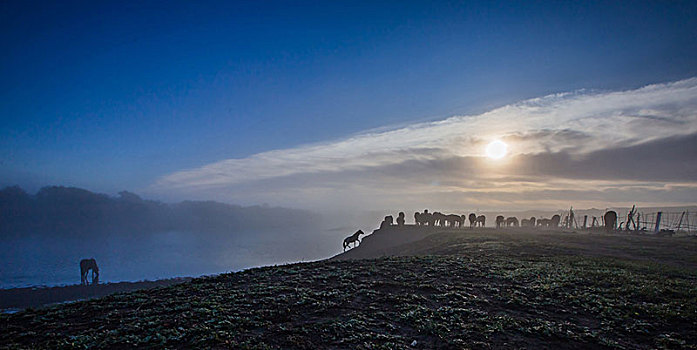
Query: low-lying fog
[[53, 260], [45, 235]]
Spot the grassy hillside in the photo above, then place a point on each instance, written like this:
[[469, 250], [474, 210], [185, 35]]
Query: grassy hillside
[[466, 289]]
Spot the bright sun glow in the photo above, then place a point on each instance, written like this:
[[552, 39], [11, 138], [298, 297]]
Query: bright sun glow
[[496, 149]]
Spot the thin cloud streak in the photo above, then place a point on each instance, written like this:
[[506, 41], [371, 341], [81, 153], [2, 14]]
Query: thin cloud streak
[[550, 135]]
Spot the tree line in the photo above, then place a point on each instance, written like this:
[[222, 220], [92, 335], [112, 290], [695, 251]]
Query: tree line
[[59, 210]]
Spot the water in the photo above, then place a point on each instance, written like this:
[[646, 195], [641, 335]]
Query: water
[[50, 260]]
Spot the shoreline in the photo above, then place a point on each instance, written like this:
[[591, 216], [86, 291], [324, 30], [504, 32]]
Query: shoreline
[[17, 299]]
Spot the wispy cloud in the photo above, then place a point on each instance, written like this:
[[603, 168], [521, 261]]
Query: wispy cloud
[[561, 138]]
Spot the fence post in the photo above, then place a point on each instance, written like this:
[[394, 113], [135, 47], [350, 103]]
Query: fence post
[[658, 222]]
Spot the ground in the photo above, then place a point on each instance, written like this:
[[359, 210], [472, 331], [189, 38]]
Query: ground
[[457, 289]]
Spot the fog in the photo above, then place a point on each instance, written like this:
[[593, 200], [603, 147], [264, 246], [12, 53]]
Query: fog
[[45, 235]]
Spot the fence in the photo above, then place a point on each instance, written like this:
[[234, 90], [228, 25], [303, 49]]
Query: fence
[[679, 222]]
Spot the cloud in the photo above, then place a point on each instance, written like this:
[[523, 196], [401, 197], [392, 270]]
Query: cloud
[[579, 139]]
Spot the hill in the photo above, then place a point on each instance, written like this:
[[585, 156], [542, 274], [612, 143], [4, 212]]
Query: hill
[[437, 289]]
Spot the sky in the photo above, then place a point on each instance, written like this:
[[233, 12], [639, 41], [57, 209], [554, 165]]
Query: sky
[[352, 104]]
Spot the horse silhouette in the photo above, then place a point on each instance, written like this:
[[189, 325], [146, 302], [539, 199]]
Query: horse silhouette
[[554, 221], [500, 220], [454, 220], [352, 239], [473, 219], [389, 221], [438, 219], [87, 265], [400, 219], [423, 219], [610, 220], [512, 221], [481, 220], [528, 222]]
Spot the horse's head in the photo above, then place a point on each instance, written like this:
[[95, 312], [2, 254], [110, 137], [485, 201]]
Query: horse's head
[[359, 232]]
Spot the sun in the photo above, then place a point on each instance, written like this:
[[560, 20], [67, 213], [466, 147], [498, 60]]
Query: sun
[[496, 149]]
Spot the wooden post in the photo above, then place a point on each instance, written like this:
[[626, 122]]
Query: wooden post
[[680, 222], [585, 220], [658, 222]]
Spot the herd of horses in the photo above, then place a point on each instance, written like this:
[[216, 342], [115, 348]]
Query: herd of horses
[[458, 221], [437, 219]]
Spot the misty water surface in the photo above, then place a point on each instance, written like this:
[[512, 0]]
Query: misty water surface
[[52, 260]]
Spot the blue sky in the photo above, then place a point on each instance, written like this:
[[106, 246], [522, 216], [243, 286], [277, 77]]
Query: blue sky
[[122, 95]]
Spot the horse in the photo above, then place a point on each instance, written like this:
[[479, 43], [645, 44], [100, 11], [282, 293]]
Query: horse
[[417, 219], [352, 239], [554, 221], [389, 221], [532, 221], [454, 220], [473, 219], [481, 220], [400, 219], [85, 266], [439, 219], [423, 219], [512, 221], [500, 220], [610, 220]]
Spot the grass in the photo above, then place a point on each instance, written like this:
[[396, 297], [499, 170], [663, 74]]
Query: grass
[[486, 298]]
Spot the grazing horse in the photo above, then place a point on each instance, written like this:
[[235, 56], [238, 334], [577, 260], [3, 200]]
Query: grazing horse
[[439, 219], [532, 221], [512, 221], [528, 222], [554, 221], [389, 221], [454, 220], [422, 219], [418, 218], [473, 219], [85, 266], [481, 220], [500, 220], [352, 239], [610, 220]]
